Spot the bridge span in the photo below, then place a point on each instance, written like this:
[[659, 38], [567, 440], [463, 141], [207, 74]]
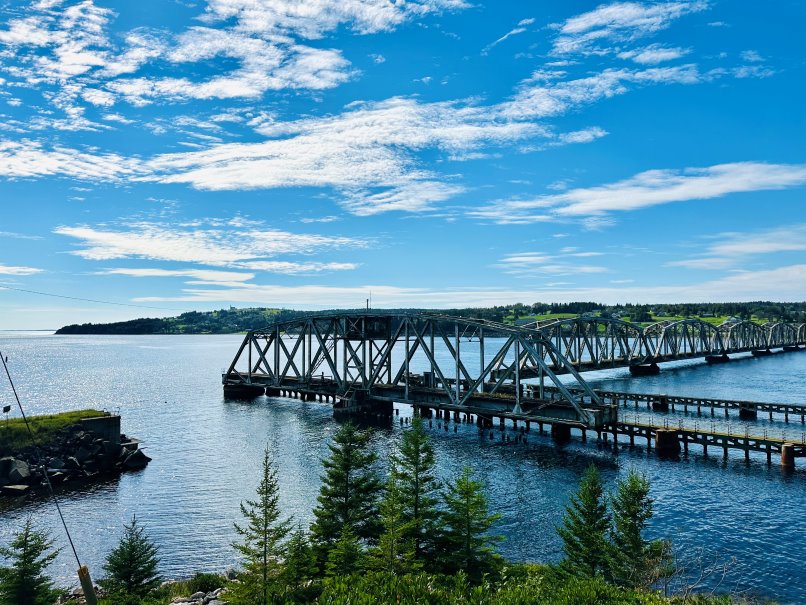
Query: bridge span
[[595, 343], [474, 370]]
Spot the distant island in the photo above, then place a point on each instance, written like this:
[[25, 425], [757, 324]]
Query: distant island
[[233, 320]]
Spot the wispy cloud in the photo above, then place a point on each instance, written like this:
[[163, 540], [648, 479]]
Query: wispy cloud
[[519, 29], [654, 54], [11, 270], [649, 188], [538, 263], [733, 249], [229, 244], [593, 32], [787, 283]]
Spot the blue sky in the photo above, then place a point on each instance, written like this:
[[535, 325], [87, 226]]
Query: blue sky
[[436, 153]]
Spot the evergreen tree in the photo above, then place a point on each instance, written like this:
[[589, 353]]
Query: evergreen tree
[[299, 567], [131, 567], [262, 540], [585, 529], [24, 582], [631, 553], [395, 550], [348, 498], [419, 488], [467, 544], [346, 556]]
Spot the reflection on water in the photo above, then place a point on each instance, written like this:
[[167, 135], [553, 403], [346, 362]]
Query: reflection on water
[[207, 455]]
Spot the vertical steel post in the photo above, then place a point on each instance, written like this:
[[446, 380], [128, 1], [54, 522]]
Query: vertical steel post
[[277, 376], [364, 377], [251, 340], [457, 363], [481, 358], [517, 409], [407, 359]]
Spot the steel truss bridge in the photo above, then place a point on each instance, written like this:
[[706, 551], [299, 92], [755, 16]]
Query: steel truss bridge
[[595, 343], [368, 361], [364, 362]]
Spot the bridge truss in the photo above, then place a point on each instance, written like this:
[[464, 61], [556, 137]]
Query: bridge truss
[[592, 343], [367, 361]]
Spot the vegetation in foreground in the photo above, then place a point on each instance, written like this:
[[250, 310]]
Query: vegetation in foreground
[[408, 540], [14, 435]]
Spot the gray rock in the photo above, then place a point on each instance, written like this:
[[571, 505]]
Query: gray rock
[[72, 464], [137, 459], [19, 471], [56, 463], [197, 595], [215, 602], [83, 454], [14, 490]]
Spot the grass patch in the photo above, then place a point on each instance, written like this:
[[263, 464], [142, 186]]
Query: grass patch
[[14, 436]]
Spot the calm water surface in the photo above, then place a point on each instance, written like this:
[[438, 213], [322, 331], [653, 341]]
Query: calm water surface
[[207, 453]]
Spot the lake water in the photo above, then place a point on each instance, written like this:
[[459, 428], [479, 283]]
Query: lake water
[[207, 454]]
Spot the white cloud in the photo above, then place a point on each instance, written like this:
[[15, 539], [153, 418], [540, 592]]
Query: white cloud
[[200, 274], [654, 54], [538, 263], [783, 283], [734, 249], [311, 20], [519, 29], [11, 270], [223, 245], [618, 22], [294, 268], [21, 159], [650, 188]]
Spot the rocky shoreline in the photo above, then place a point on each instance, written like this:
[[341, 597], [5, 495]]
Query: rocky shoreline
[[92, 449]]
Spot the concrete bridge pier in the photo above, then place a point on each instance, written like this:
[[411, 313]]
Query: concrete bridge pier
[[243, 391], [746, 413], [660, 404], [645, 369], [788, 455], [560, 432], [667, 442]]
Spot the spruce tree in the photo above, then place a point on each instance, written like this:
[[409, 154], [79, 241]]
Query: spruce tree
[[348, 498], [419, 488], [631, 553], [131, 567], [262, 540], [585, 529], [299, 567], [24, 582], [395, 550], [346, 557], [467, 544]]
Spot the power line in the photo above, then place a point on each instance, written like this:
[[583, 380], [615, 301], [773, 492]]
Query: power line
[[92, 300]]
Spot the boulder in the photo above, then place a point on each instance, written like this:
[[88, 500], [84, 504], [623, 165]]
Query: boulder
[[83, 454], [196, 596], [137, 459], [72, 464], [19, 471], [56, 463], [14, 490]]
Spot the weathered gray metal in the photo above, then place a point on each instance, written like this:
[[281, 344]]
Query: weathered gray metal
[[363, 358]]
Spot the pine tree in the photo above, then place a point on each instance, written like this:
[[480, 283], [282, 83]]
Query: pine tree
[[348, 498], [299, 567], [467, 544], [131, 567], [24, 583], [346, 556], [395, 550], [585, 529], [631, 553], [262, 540], [419, 488]]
